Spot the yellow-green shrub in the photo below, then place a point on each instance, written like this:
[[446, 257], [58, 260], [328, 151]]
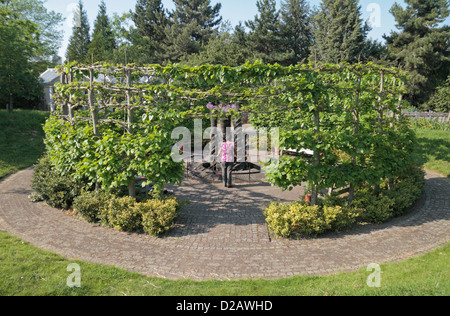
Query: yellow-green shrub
[[153, 217], [287, 219], [89, 204], [158, 216], [121, 214], [338, 218]]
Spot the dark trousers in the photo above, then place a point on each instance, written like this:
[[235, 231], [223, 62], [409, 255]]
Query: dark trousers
[[227, 173]]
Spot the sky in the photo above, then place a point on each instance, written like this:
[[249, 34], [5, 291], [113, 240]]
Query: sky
[[232, 10]]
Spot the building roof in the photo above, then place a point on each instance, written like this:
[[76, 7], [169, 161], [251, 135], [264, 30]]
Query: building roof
[[50, 76]]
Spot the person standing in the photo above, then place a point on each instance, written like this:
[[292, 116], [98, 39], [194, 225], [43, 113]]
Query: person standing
[[226, 154]]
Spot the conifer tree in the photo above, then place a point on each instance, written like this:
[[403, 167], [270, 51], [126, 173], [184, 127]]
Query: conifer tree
[[339, 32], [80, 40], [296, 29], [194, 22], [103, 41], [421, 46], [265, 34], [151, 20]]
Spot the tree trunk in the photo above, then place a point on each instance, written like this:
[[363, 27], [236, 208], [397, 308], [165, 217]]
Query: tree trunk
[[315, 191], [351, 194], [132, 188], [10, 106], [356, 131]]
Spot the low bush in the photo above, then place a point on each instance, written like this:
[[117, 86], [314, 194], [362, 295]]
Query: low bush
[[89, 203], [154, 216], [338, 218], [158, 216], [50, 186], [121, 214], [287, 219], [406, 190], [373, 209], [396, 197], [333, 214]]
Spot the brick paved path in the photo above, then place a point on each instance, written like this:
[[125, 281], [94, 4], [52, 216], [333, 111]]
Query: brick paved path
[[224, 236]]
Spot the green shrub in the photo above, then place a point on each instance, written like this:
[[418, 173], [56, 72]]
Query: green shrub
[[440, 100], [333, 214], [394, 198], [287, 219], [406, 190], [153, 217], [120, 213], [375, 210], [50, 186], [89, 203], [158, 216]]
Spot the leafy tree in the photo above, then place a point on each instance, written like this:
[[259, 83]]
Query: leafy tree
[[265, 34], [50, 34], [194, 22], [80, 40], [18, 45], [339, 32], [103, 41], [150, 19], [421, 46], [123, 28], [296, 29]]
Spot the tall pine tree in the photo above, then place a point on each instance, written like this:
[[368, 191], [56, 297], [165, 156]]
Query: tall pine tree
[[80, 40], [339, 32], [103, 41], [151, 20], [422, 45], [265, 34], [296, 29], [194, 22]]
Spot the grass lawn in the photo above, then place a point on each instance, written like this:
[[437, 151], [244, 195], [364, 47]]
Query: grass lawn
[[21, 138], [434, 150], [26, 270]]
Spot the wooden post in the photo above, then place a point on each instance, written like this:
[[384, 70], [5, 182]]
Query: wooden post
[[131, 182], [351, 192], [93, 109], [63, 78], [69, 104], [238, 131], [380, 119], [213, 150], [315, 190], [400, 99], [129, 108]]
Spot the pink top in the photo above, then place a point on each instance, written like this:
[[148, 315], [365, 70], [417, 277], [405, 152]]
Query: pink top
[[228, 152]]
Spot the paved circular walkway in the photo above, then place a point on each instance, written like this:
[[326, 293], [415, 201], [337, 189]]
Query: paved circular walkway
[[222, 235]]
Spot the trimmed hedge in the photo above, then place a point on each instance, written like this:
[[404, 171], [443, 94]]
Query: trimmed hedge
[[332, 214], [287, 219], [88, 205], [154, 217]]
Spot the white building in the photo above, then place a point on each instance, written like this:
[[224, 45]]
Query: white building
[[49, 78]]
